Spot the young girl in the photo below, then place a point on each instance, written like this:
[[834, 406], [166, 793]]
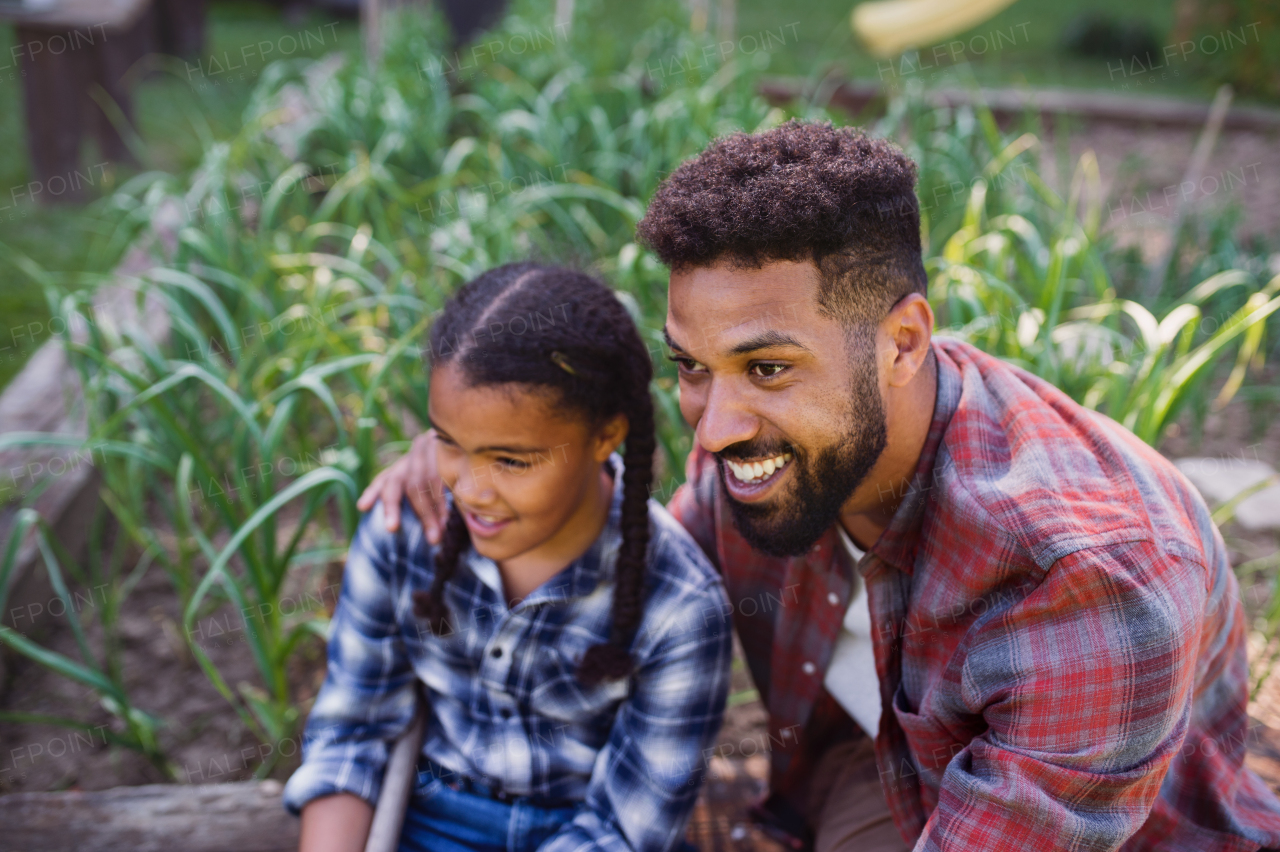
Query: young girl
[[570, 638]]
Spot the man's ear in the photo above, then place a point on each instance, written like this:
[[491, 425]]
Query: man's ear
[[610, 437], [908, 330]]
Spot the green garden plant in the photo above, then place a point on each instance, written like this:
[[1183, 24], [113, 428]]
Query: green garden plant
[[316, 243], [101, 668], [1036, 292]]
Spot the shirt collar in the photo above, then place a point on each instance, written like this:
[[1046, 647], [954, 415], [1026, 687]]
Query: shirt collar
[[580, 577], [897, 544]]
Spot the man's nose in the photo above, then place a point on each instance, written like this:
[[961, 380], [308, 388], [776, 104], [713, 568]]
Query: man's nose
[[724, 421]]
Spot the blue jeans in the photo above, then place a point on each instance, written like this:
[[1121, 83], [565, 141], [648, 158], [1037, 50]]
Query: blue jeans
[[442, 819]]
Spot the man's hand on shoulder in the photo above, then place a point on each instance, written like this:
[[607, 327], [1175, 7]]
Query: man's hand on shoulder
[[413, 475]]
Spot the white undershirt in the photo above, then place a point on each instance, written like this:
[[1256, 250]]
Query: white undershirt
[[851, 675]]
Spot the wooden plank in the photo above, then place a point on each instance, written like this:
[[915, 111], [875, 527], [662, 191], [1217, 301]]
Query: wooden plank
[[371, 29], [398, 782], [46, 397], [181, 26], [858, 95], [111, 62], [55, 84], [250, 817], [244, 817], [64, 71]]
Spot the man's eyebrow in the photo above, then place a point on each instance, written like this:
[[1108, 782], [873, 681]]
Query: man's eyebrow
[[767, 340], [671, 344]]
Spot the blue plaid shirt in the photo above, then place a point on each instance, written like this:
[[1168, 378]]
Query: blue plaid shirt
[[504, 706]]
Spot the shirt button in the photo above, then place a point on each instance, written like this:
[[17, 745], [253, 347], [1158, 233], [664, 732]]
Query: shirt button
[[808, 668], [505, 712], [496, 652], [833, 598]]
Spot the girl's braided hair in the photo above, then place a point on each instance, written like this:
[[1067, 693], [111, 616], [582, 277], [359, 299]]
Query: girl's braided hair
[[551, 327]]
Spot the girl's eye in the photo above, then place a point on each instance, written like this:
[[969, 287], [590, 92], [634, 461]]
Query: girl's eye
[[688, 365], [767, 371]]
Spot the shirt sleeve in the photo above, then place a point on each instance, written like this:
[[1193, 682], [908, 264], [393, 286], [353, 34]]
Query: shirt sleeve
[[693, 504], [646, 779], [1085, 688], [367, 698]]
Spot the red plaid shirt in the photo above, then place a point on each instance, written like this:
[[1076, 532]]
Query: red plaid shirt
[[1058, 635]]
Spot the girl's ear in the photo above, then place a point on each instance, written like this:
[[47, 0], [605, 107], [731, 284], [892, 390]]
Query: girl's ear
[[610, 437]]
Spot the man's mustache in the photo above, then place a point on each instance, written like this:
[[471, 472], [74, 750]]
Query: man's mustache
[[754, 450]]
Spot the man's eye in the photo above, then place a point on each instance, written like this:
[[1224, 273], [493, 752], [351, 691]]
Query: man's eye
[[688, 365], [514, 464], [767, 371]]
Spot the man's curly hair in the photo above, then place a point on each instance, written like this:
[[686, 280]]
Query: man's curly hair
[[803, 191]]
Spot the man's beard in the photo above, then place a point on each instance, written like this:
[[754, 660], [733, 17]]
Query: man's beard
[[791, 523]]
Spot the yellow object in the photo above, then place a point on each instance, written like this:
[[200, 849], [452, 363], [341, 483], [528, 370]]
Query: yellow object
[[889, 27]]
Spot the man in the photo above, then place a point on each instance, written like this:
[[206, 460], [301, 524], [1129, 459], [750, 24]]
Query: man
[[998, 621]]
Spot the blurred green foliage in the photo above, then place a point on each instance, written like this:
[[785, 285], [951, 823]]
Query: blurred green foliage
[[1233, 41]]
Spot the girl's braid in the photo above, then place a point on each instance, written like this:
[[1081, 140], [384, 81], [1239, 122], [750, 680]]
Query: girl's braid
[[431, 605]]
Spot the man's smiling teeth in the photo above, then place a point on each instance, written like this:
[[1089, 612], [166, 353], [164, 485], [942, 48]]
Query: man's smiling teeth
[[752, 471]]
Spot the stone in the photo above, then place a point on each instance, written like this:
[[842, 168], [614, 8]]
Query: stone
[[1221, 480]]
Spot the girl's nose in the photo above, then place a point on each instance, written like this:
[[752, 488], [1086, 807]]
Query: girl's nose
[[476, 484]]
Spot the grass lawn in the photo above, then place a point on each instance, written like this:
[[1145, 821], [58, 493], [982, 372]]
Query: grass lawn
[[816, 35]]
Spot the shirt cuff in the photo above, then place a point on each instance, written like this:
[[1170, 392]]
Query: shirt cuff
[[314, 779]]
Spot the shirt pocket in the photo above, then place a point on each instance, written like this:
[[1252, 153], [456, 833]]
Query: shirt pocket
[[457, 652], [559, 694], [932, 744]]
